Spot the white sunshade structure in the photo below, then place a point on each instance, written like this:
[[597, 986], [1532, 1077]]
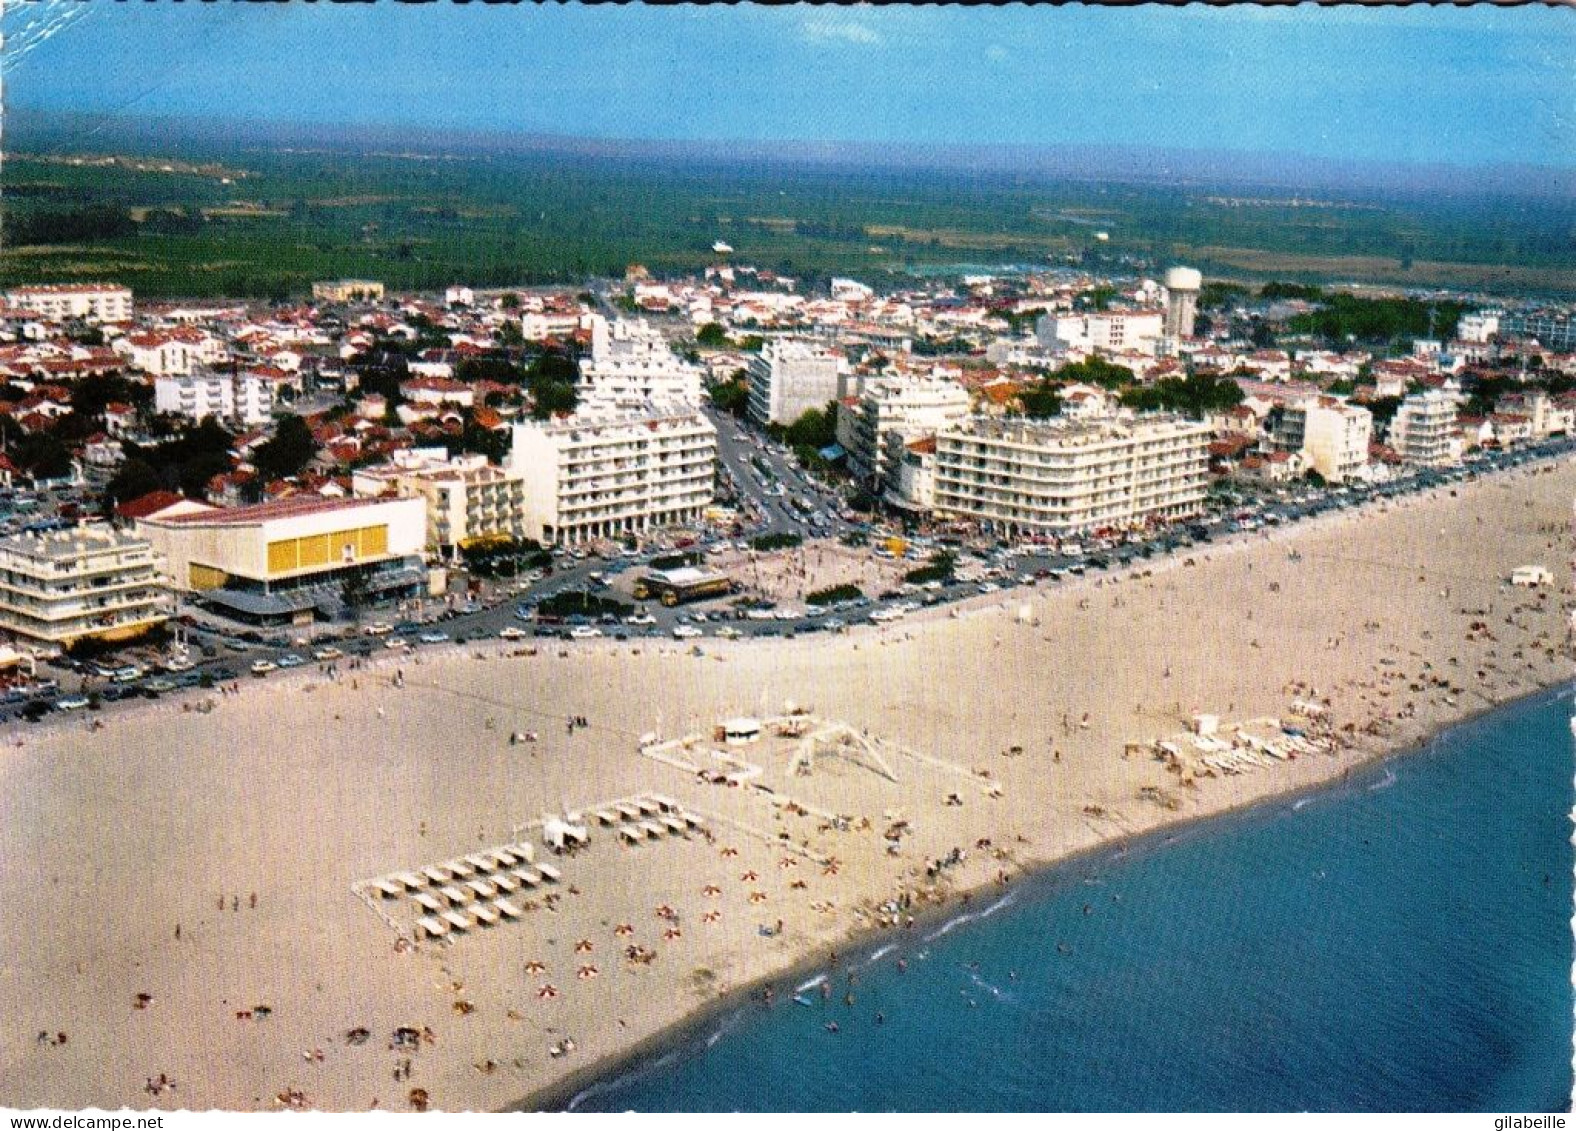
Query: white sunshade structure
[[479, 862], [634, 834], [530, 877], [458, 921], [428, 902], [502, 858], [504, 882], [628, 811], [388, 889], [454, 894], [482, 888], [507, 909], [556, 833], [461, 869], [647, 807], [665, 803], [432, 928], [674, 825], [411, 881], [653, 830], [606, 817], [524, 850], [693, 821], [483, 914], [550, 872], [436, 874]]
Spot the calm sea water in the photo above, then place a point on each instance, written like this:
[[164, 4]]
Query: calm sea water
[[1401, 943]]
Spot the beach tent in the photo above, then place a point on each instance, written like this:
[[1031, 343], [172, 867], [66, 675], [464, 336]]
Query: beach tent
[[550, 872], [524, 850], [460, 869], [410, 880], [693, 821], [674, 825], [665, 803], [647, 807], [432, 928], [458, 921], [629, 812], [479, 862], [606, 817], [453, 894], [482, 888], [503, 858], [653, 829], [556, 833], [483, 914], [527, 876], [436, 874], [507, 909], [505, 882], [428, 902], [631, 833], [388, 889]]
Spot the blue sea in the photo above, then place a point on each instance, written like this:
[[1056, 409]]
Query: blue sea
[[1401, 942]]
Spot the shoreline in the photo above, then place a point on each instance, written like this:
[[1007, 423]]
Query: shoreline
[[863, 942], [1019, 725]]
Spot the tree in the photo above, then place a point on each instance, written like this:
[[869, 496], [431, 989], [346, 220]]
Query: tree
[[290, 450], [1043, 400], [133, 479], [732, 397], [551, 398], [1096, 371], [712, 336]]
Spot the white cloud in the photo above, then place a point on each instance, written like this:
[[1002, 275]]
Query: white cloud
[[833, 26]]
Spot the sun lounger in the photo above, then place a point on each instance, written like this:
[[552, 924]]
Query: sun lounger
[[458, 921], [483, 914], [432, 928], [482, 888], [550, 872], [507, 909], [428, 902], [453, 894]]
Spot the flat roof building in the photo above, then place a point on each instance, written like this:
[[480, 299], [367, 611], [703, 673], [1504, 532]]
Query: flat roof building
[[88, 582], [605, 473], [1060, 476], [348, 290], [788, 378], [467, 498], [294, 559], [88, 302]]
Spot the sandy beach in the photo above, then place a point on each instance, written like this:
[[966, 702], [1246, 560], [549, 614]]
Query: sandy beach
[[207, 860]]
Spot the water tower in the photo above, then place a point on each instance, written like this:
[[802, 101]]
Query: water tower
[[1182, 287]]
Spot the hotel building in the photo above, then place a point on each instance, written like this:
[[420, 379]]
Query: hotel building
[[91, 581], [1060, 476]]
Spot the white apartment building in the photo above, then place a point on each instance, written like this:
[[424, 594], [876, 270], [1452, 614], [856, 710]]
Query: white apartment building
[[1105, 331], [62, 303], [631, 364], [1424, 430], [467, 498], [1331, 435], [89, 581], [910, 408], [245, 397], [1479, 326], [606, 472], [789, 377], [1060, 476], [171, 353]]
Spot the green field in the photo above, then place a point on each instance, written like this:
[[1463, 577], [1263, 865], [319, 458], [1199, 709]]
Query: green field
[[285, 219]]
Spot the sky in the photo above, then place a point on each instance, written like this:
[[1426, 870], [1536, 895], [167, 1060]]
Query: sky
[[1474, 86]]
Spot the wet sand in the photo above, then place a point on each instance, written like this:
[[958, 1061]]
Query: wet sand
[[297, 788]]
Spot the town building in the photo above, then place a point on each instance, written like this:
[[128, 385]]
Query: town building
[[468, 499], [909, 408], [92, 302], [87, 582], [1105, 331], [348, 290], [1332, 436], [1424, 430], [789, 378], [293, 559], [631, 364], [1059, 476], [248, 398], [607, 473]]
